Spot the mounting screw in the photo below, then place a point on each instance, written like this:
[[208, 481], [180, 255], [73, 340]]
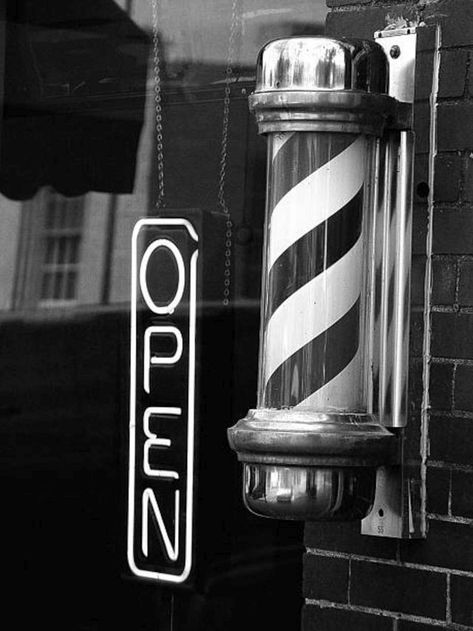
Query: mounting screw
[[395, 51]]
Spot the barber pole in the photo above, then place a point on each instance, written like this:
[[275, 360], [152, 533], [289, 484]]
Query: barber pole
[[315, 288], [311, 447]]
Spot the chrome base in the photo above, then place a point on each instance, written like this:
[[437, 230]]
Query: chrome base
[[296, 437], [310, 466], [309, 493]]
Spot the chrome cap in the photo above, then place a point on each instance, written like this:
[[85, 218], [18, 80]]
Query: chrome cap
[[328, 85], [320, 63]]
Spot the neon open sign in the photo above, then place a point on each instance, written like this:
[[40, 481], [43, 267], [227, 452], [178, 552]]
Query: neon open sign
[[162, 398]]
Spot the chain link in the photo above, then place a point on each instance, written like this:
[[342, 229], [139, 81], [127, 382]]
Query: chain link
[[229, 78], [222, 202], [160, 203]]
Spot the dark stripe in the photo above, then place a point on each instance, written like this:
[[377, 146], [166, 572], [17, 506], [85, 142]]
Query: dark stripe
[[316, 363], [301, 155], [314, 252]]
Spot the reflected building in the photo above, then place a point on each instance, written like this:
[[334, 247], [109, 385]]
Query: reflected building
[[78, 170], [61, 251]]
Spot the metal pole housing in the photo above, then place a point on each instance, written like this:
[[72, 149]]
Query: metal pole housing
[[311, 447]]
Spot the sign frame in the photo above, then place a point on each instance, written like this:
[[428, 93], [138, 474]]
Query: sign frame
[[137, 280]]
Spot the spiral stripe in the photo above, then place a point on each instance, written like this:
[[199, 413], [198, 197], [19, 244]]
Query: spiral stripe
[[279, 140], [329, 293], [342, 338], [336, 394], [316, 251], [315, 266], [293, 149], [314, 198]]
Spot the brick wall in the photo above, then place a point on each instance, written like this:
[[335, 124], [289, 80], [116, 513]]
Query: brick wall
[[357, 582]]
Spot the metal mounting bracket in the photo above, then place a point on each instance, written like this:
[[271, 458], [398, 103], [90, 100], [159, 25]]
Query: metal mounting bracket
[[396, 508]]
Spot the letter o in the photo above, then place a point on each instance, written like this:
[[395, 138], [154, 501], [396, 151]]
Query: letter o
[[169, 308]]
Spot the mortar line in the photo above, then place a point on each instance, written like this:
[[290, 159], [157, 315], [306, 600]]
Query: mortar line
[[378, 561], [424, 439], [448, 605]]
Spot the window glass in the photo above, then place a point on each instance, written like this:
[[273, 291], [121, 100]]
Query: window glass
[[81, 162]]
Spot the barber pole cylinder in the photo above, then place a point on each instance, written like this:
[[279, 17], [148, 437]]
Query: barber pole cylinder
[[315, 321], [311, 447]]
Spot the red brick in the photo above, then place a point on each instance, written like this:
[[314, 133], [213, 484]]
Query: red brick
[[441, 386], [463, 393], [448, 545], [453, 231], [452, 335], [438, 490], [462, 600], [465, 286], [419, 228], [400, 589], [417, 279], [447, 177], [470, 78], [416, 384], [325, 578], [456, 17], [416, 334], [468, 183], [452, 73], [451, 440], [455, 126], [444, 272], [462, 498]]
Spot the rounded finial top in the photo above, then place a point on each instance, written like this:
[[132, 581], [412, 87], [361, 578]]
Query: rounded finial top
[[320, 63]]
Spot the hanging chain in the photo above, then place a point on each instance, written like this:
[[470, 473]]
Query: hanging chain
[[160, 203], [229, 78], [222, 202]]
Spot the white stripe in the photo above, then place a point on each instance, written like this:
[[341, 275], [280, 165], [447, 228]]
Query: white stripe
[[343, 393], [313, 308], [316, 198], [279, 140]]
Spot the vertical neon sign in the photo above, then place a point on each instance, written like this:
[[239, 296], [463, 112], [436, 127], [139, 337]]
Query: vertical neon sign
[[162, 398]]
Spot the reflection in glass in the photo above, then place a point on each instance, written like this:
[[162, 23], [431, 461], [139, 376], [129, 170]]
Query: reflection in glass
[[95, 102], [79, 170], [319, 492], [316, 329]]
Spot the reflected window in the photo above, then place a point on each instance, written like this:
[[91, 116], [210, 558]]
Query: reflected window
[[49, 250], [79, 117], [62, 240]]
